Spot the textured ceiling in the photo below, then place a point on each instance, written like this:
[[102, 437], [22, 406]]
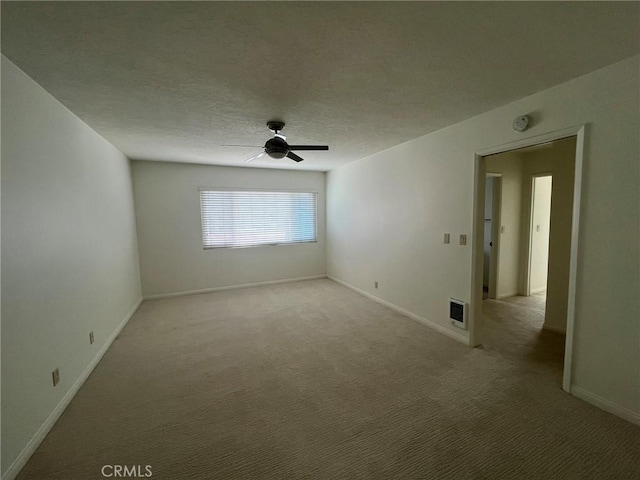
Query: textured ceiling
[[176, 80]]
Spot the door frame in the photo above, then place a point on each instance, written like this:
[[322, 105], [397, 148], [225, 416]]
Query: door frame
[[477, 254]]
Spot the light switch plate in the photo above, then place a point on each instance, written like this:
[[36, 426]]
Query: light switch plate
[[463, 239], [447, 238]]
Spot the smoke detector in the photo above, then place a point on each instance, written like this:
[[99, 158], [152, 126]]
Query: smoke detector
[[521, 123]]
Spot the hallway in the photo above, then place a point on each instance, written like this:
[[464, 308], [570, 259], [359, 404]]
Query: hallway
[[513, 328]]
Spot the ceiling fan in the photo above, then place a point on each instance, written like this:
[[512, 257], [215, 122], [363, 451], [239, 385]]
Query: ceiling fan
[[277, 147]]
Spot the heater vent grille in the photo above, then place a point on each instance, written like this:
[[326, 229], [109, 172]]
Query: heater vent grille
[[458, 313]]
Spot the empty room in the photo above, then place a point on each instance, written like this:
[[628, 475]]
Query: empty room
[[320, 240]]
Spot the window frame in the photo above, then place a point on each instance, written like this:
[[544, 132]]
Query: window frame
[[315, 194]]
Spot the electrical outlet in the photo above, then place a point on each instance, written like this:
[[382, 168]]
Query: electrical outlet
[[56, 377], [91, 339], [375, 284], [463, 239], [447, 238]]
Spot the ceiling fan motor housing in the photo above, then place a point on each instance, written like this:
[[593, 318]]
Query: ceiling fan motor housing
[[276, 147]]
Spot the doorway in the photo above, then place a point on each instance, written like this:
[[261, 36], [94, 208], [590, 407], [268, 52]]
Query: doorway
[[514, 278]]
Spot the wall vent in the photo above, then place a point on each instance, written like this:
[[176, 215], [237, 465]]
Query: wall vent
[[458, 313]]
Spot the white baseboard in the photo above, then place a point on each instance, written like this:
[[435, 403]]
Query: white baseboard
[[606, 405], [231, 287], [502, 296], [22, 458], [538, 290], [439, 328]]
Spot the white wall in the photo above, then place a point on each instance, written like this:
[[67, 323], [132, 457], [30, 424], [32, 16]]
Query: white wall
[[510, 165], [170, 235], [540, 223], [69, 253], [488, 229], [387, 214]]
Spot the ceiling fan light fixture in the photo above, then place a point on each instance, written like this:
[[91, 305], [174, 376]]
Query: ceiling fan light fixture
[[277, 147]]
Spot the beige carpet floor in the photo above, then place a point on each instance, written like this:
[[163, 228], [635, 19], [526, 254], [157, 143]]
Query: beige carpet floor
[[312, 380]]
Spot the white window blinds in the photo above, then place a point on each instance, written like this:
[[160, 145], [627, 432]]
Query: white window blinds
[[237, 218]]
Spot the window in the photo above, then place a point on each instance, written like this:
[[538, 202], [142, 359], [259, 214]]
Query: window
[[246, 218]]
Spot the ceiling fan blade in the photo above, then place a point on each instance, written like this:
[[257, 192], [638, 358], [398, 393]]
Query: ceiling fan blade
[[309, 147], [255, 157], [294, 157], [248, 146]]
